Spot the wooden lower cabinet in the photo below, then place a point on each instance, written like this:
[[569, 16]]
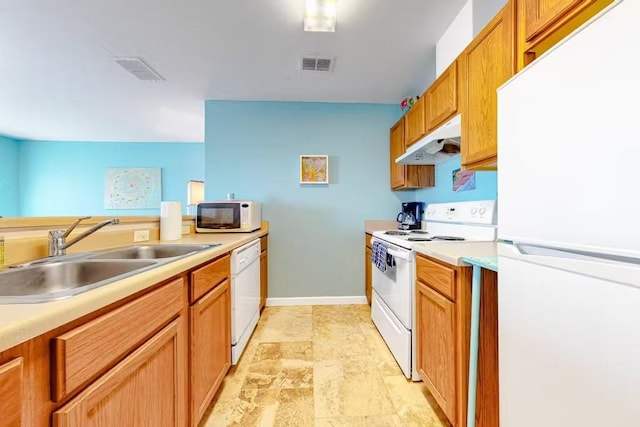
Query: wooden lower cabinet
[[368, 272], [443, 310], [11, 393], [210, 347], [102, 370], [436, 353], [146, 388], [264, 278]]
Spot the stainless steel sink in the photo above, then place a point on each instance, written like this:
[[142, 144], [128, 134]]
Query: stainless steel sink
[[56, 280], [151, 251]]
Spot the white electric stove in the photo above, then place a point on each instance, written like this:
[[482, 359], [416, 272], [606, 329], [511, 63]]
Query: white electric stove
[[392, 306]]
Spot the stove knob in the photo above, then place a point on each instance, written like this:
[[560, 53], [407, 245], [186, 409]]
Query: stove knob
[[482, 211], [474, 211]]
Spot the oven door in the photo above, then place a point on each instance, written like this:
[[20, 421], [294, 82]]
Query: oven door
[[218, 216], [395, 286]]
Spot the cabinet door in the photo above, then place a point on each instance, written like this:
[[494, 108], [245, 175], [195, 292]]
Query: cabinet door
[[397, 149], [264, 279], [442, 98], [487, 63], [543, 23], [541, 14], [210, 346], [415, 123], [145, 389], [11, 392], [435, 341], [367, 273]]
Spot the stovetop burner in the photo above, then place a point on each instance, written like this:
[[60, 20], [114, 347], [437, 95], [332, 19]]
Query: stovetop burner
[[419, 232], [396, 233], [449, 238]]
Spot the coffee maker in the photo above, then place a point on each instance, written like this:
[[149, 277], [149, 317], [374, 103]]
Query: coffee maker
[[411, 215]]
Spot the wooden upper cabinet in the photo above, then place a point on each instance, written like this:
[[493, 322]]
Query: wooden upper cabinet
[[406, 176], [543, 23], [415, 123], [397, 149], [442, 98], [541, 14], [210, 347], [486, 63], [146, 388], [11, 391]]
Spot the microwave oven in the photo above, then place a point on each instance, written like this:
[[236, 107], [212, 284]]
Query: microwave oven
[[228, 216]]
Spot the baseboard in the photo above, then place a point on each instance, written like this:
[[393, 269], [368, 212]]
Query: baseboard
[[275, 302]]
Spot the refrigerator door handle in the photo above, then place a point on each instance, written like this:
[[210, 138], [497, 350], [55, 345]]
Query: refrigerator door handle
[[603, 266]]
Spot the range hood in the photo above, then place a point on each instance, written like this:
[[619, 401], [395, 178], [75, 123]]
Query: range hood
[[440, 145]]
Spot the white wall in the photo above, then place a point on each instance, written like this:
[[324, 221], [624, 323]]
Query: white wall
[[457, 36], [484, 11]]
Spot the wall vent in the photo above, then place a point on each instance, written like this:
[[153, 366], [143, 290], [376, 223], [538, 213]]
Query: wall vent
[[138, 68], [317, 63]]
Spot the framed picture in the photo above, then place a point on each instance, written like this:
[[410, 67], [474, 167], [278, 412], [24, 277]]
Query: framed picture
[[132, 188], [314, 169]]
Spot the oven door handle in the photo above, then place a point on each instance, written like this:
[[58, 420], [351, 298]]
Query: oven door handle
[[397, 254]]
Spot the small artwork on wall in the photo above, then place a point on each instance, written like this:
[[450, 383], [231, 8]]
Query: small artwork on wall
[[463, 180], [132, 188], [314, 169]]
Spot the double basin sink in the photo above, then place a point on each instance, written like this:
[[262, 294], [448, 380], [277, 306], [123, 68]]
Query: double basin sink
[[61, 277]]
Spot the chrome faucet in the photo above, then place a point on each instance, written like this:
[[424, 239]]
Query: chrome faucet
[[58, 238]]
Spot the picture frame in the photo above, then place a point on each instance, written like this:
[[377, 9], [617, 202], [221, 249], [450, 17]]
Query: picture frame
[[314, 169], [132, 188]]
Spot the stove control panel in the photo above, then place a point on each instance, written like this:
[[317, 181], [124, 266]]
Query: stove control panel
[[475, 212]]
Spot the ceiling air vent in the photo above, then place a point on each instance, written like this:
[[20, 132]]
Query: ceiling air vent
[[138, 68], [316, 63]]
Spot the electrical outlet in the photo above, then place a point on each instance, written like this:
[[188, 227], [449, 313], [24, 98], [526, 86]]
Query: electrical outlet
[[186, 229], [140, 236]]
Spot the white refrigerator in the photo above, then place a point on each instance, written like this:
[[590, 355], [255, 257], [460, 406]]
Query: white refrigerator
[[569, 273]]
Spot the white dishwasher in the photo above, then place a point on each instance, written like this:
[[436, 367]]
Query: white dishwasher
[[245, 296]]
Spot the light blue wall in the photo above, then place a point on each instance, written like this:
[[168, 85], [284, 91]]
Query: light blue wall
[[67, 178], [9, 189], [316, 242], [486, 186]]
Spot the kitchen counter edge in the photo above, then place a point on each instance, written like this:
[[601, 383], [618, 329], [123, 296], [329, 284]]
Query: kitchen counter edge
[[454, 252], [22, 322]]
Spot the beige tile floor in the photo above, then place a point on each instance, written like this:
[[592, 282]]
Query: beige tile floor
[[320, 366]]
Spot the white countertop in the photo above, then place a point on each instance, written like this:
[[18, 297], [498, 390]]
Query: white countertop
[[372, 225], [22, 322], [453, 252]]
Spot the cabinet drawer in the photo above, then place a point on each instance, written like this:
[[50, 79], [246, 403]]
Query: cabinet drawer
[[439, 277], [11, 390], [206, 278], [263, 243], [367, 240], [84, 352]]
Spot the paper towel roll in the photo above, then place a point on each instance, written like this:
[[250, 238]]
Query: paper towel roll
[[170, 220]]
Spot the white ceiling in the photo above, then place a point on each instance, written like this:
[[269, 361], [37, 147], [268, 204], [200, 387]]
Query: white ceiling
[[58, 79]]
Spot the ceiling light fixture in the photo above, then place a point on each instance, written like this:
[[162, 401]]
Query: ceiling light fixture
[[320, 15]]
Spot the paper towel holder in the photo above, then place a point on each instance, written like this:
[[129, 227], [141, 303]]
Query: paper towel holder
[[195, 194]]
